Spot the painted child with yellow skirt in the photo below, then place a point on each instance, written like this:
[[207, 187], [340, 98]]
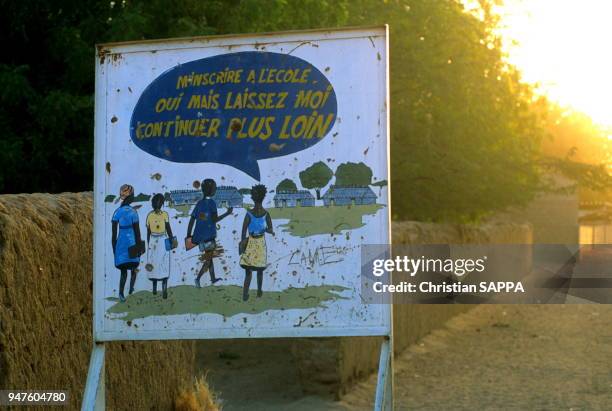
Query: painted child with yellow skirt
[[158, 256], [257, 223]]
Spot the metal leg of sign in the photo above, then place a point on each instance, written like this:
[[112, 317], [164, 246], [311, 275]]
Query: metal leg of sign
[[94, 396], [384, 386]]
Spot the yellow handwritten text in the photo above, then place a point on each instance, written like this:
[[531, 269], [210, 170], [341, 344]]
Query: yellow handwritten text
[[201, 127], [307, 127], [255, 100], [209, 79]]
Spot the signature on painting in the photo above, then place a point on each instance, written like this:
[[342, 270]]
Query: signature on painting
[[321, 255]]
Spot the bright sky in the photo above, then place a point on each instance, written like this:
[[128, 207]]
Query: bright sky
[[566, 47]]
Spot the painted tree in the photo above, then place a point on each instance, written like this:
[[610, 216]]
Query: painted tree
[[316, 177], [353, 174], [380, 184], [286, 185]]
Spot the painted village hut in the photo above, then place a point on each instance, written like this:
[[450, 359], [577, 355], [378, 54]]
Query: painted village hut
[[185, 197], [353, 195], [226, 196], [299, 198]]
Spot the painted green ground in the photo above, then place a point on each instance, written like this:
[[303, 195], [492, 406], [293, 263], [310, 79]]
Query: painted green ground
[[224, 300], [307, 221]]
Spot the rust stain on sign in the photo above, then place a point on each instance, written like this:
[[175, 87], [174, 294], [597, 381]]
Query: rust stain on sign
[[116, 57], [236, 126], [102, 53], [276, 147]]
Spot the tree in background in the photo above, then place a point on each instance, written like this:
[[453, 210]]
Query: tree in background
[[465, 132], [464, 136], [353, 174], [577, 148], [575, 135], [286, 185], [316, 177], [47, 80]]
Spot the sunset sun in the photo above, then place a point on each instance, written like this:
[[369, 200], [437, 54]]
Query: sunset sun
[[564, 47]]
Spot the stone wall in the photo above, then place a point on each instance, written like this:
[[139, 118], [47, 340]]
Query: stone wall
[[46, 311]]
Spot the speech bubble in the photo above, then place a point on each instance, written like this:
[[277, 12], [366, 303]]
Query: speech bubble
[[234, 109]]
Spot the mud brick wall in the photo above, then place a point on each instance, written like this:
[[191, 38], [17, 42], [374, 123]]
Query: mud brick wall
[[46, 311], [330, 366]]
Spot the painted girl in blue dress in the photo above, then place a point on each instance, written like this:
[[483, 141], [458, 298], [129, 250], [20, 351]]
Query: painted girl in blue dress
[[126, 233], [204, 218], [257, 223]]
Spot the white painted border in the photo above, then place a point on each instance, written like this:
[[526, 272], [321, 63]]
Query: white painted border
[[230, 41], [223, 333], [101, 121]]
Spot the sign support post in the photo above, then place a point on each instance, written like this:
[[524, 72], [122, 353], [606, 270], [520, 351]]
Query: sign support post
[[95, 390], [384, 386]]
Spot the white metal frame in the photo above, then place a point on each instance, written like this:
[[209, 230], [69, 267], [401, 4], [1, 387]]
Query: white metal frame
[[94, 395]]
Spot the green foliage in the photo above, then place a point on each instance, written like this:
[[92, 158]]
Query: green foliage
[[353, 174], [465, 134], [594, 177], [578, 149], [47, 80], [316, 177], [286, 185], [244, 191]]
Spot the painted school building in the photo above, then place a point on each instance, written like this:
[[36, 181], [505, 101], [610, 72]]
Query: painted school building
[[299, 198], [226, 196], [342, 196]]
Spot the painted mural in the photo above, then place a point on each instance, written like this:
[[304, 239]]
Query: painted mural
[[239, 184]]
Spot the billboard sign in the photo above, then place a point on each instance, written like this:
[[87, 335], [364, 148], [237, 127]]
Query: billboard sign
[[236, 179]]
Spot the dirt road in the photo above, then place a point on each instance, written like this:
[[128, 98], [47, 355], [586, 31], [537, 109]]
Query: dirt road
[[553, 357]]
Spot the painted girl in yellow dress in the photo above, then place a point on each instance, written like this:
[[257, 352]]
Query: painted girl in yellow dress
[[257, 223], [158, 256]]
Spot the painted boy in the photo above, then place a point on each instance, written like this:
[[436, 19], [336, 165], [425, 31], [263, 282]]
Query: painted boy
[[204, 217]]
